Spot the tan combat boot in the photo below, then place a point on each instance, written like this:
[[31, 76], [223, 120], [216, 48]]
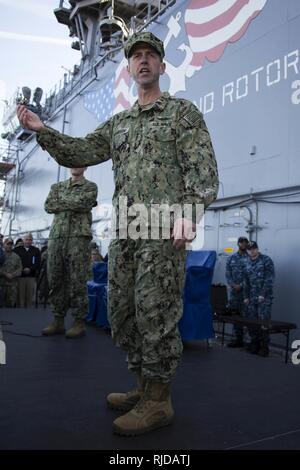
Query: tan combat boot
[[57, 327], [77, 330], [154, 410], [126, 401]]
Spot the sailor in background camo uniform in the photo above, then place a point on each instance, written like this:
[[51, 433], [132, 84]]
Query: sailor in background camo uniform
[[10, 271], [161, 153], [68, 260], [235, 274], [258, 293]]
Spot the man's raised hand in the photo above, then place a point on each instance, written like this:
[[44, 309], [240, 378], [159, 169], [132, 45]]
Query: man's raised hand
[[28, 119]]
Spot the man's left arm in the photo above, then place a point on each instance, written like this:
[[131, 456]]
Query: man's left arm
[[52, 203], [197, 160], [269, 276], [17, 267]]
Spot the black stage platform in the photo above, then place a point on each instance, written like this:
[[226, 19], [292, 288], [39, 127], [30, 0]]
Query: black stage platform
[[52, 394]]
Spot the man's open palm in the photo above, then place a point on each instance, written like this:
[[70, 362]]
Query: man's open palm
[[28, 119]]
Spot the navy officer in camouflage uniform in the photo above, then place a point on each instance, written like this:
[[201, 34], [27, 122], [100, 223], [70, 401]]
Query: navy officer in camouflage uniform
[[10, 271], [235, 274], [162, 154], [68, 259], [258, 293]]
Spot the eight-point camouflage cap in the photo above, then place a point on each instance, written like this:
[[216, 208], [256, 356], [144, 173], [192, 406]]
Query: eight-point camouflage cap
[[243, 239], [149, 38]]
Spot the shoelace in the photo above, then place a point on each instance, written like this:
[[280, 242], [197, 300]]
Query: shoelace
[[132, 392], [143, 404]]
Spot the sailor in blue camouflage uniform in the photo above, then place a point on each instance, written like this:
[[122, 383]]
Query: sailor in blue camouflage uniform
[[258, 292], [162, 154], [235, 275]]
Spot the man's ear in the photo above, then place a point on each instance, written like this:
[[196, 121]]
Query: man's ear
[[162, 68], [128, 68]]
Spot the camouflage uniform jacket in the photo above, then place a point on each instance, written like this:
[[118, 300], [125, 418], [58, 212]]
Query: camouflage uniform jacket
[[235, 268], [71, 203], [12, 265], [259, 278], [161, 153]]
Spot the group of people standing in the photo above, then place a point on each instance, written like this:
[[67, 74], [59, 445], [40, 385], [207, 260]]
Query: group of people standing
[[18, 271], [250, 277]]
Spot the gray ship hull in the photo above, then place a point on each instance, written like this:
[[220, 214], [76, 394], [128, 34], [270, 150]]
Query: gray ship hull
[[243, 74]]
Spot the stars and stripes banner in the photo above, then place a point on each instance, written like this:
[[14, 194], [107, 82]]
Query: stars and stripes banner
[[100, 102], [112, 97], [212, 24], [204, 29], [121, 87]]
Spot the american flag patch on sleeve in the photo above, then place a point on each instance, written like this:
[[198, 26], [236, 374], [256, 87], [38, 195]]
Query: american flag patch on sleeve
[[191, 118]]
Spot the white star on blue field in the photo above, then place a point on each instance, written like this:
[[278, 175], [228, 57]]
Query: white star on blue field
[[101, 102]]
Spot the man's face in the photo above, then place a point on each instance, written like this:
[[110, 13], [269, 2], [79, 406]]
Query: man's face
[[27, 242], [95, 255], [8, 245], [253, 252], [243, 245], [145, 65], [77, 171]]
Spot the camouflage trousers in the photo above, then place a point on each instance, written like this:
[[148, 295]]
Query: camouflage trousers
[[146, 279], [68, 271], [9, 295], [259, 311], [236, 302]]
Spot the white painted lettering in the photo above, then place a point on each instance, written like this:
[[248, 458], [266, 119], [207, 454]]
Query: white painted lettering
[[293, 63], [208, 102], [242, 87], [228, 91], [2, 352], [271, 65], [296, 354], [256, 72], [296, 94]]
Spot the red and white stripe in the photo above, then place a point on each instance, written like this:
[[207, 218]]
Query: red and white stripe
[[121, 87], [212, 24]]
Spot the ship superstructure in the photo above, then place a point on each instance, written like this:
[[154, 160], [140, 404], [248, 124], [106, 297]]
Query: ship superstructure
[[239, 63]]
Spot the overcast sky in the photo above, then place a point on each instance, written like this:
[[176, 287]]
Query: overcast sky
[[33, 47]]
